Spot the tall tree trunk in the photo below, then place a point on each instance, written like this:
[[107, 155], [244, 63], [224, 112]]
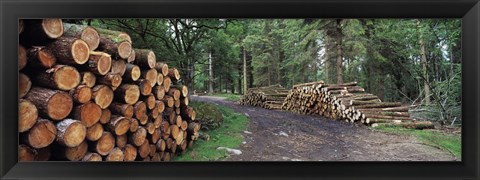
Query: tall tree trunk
[[210, 73], [339, 67], [423, 58], [244, 72]]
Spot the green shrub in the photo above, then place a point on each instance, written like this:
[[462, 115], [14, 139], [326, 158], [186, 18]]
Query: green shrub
[[208, 115]]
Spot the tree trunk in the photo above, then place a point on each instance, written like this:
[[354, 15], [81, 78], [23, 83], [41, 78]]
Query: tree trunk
[[111, 80], [116, 47], [53, 104], [210, 73], [130, 153], [423, 57], [158, 91], [339, 65], [98, 63]]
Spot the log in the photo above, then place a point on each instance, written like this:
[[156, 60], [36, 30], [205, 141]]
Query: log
[[138, 137], [118, 67], [27, 115], [358, 102], [115, 155], [140, 110], [152, 150], [155, 136], [160, 145], [104, 145], [119, 125], [41, 135], [159, 79], [76, 153], [376, 120], [132, 73], [111, 80], [102, 95], [175, 93], [117, 47], [24, 85], [184, 125], [98, 63], [151, 75], [44, 154], [158, 91], [105, 118], [184, 101], [149, 100], [83, 32], [144, 150], [118, 35], [39, 57], [92, 157], [60, 77], [131, 58], [134, 125], [88, 79], [162, 68], [145, 87], [165, 129], [391, 109], [145, 58], [81, 94], [378, 116], [94, 132], [167, 82], [130, 152], [70, 50], [127, 93], [174, 74], [22, 57], [125, 110], [52, 104], [166, 156], [71, 133], [26, 153], [386, 113], [150, 128], [43, 29], [168, 101], [408, 125], [184, 90], [153, 114], [379, 105], [88, 113]]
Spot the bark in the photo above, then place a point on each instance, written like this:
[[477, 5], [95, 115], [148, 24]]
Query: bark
[[116, 47], [60, 77], [70, 50], [83, 32], [119, 125], [132, 73], [125, 110], [162, 68], [98, 63], [111, 80], [168, 101], [145, 58], [138, 137], [158, 91], [24, 85], [81, 94], [118, 67], [39, 58], [27, 115], [71, 132], [127, 93], [145, 86]]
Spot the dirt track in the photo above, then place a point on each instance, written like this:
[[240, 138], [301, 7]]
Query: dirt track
[[285, 136]]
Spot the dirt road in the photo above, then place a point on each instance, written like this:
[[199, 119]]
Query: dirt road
[[274, 135]]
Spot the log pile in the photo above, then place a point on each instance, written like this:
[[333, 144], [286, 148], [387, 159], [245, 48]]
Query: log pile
[[351, 103], [269, 97], [85, 94]]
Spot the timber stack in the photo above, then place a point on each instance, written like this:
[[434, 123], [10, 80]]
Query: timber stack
[[268, 97], [351, 103], [85, 94]]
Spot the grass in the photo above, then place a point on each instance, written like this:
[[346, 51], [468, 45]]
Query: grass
[[229, 134], [447, 142], [230, 97]]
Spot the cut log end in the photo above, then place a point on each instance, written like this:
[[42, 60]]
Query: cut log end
[[24, 85], [124, 49], [28, 115], [88, 113], [102, 95], [71, 132], [82, 94], [88, 79], [53, 28], [59, 106], [66, 77], [42, 134], [22, 57], [80, 51], [91, 37]]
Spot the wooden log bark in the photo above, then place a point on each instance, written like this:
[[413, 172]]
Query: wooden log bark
[[83, 32], [117, 35], [125, 110], [115, 155], [117, 47], [81, 94], [160, 106], [119, 125], [162, 68], [379, 105], [145, 58], [71, 132], [111, 80], [98, 63], [92, 157], [70, 50], [53, 104], [88, 79], [174, 74], [391, 109], [39, 57], [27, 115], [127, 93], [140, 110], [118, 67], [132, 73], [76, 153], [88, 113], [175, 93], [60, 77], [41, 135], [151, 75], [160, 145], [43, 29], [94, 132], [130, 152], [24, 85], [104, 145], [168, 101]]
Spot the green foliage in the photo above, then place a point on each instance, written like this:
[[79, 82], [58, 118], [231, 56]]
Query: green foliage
[[209, 116], [448, 142], [228, 96], [228, 135]]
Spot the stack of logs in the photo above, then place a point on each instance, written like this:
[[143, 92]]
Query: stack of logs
[[86, 95], [269, 97], [349, 102]]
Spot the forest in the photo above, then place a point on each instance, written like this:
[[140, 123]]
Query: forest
[[413, 61]]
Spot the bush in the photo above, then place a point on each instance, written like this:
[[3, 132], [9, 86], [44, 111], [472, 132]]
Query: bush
[[208, 115]]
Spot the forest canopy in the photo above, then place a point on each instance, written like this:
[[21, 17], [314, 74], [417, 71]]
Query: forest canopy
[[414, 61]]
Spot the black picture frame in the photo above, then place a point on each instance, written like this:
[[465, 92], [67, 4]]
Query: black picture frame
[[468, 10]]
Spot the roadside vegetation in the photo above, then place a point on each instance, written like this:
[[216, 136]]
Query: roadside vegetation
[[229, 135]]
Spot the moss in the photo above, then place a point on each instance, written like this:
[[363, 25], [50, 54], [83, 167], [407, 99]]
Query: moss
[[208, 115]]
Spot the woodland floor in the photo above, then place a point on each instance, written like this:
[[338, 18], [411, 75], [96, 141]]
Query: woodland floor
[[285, 136]]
